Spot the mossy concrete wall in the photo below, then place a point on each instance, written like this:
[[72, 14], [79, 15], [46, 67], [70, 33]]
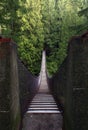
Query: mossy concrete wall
[[9, 94], [77, 84], [14, 82], [70, 85], [4, 86]]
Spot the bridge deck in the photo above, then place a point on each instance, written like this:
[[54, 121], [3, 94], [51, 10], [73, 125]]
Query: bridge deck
[[43, 112]]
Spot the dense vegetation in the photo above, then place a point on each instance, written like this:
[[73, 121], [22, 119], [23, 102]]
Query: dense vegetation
[[35, 24]]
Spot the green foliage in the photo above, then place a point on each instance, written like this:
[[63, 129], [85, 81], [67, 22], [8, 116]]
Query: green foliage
[[35, 24], [31, 42]]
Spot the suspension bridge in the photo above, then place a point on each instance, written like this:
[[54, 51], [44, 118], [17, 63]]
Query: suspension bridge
[[43, 107], [28, 102]]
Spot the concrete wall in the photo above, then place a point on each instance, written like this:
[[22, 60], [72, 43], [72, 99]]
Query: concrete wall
[[9, 99], [14, 83], [4, 86], [70, 85], [77, 84]]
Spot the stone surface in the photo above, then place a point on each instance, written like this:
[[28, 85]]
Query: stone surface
[[9, 94], [42, 122]]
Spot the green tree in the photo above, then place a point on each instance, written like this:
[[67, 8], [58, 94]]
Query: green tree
[[34, 24]]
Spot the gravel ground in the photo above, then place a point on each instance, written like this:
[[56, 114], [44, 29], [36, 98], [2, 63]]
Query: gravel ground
[[42, 122]]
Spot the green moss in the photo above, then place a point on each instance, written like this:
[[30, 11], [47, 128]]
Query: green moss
[[16, 122]]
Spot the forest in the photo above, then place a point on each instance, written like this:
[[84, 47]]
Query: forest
[[43, 24]]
